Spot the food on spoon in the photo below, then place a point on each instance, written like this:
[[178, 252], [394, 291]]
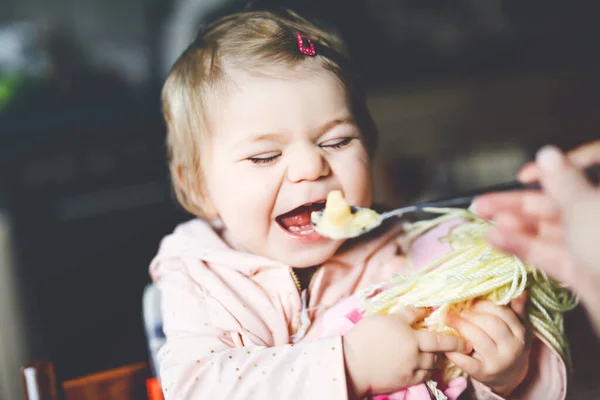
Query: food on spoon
[[338, 221]]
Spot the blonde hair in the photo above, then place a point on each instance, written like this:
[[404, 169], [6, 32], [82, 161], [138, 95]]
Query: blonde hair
[[252, 41]]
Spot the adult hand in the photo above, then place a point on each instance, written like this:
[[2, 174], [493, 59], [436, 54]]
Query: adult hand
[[557, 229]]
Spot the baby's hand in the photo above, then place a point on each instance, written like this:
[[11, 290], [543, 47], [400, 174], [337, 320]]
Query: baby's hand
[[384, 354], [501, 343]]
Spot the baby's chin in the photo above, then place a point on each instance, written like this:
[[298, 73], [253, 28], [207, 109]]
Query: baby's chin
[[308, 257]]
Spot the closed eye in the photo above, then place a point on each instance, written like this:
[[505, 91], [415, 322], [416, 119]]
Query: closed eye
[[264, 159], [337, 143]]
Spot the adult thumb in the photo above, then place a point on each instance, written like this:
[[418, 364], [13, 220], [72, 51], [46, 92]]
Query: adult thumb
[[561, 180]]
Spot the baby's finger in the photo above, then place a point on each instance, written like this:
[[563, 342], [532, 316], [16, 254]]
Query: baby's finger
[[411, 315], [519, 305], [433, 342], [492, 324], [428, 361], [505, 313], [467, 363], [480, 340], [420, 376], [505, 322]]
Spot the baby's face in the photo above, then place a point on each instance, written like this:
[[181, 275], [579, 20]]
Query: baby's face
[[277, 148]]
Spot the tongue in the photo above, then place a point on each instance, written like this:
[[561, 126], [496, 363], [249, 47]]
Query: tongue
[[298, 219]]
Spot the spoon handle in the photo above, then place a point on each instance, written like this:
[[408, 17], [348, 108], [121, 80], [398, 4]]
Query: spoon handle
[[592, 173]]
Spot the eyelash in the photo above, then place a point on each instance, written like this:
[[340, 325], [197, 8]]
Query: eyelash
[[342, 143], [263, 160]]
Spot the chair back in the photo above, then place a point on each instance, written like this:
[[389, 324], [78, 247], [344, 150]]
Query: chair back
[[123, 383]]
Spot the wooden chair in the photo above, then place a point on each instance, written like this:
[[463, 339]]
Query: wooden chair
[[124, 383]]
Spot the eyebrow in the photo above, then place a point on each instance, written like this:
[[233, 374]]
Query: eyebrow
[[277, 137], [257, 137]]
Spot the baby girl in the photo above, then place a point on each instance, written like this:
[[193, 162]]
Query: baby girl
[[265, 117]]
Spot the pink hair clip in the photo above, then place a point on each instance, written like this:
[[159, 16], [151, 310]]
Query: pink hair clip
[[310, 50]]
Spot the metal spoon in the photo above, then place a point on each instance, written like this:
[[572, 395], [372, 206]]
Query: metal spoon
[[592, 173]]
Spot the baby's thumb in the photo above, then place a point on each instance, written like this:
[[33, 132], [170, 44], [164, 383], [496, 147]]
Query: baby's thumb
[[561, 180]]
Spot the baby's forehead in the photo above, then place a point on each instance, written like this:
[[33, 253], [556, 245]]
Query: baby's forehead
[[236, 74], [264, 104]]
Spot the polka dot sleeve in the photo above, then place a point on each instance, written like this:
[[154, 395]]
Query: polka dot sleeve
[[202, 361]]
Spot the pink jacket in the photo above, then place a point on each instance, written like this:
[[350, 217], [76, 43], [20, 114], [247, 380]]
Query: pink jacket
[[230, 319]]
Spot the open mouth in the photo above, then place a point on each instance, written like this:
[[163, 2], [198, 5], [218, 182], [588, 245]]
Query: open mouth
[[297, 222]]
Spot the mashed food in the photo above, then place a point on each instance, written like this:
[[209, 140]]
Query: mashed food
[[338, 221]]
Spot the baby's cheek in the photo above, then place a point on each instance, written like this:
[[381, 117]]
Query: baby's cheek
[[353, 171], [246, 210]]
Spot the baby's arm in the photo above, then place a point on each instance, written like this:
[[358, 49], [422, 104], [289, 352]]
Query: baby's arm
[[202, 361]]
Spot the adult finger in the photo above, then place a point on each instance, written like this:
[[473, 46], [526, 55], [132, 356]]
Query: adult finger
[[432, 342], [510, 222], [480, 340], [529, 173], [560, 178], [581, 157], [540, 253], [551, 231], [527, 203], [585, 155]]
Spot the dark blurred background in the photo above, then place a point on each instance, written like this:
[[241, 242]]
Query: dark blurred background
[[463, 92]]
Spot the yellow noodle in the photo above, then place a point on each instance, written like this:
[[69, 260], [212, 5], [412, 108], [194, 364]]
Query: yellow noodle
[[472, 270]]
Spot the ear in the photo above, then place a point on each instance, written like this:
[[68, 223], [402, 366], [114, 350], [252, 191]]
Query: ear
[[196, 193]]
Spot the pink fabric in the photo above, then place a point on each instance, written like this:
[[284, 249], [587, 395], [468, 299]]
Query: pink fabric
[[229, 318]]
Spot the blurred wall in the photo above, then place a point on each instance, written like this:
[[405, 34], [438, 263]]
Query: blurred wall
[[13, 349], [114, 33]]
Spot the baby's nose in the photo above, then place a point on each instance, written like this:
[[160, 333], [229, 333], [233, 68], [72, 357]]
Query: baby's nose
[[307, 165]]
